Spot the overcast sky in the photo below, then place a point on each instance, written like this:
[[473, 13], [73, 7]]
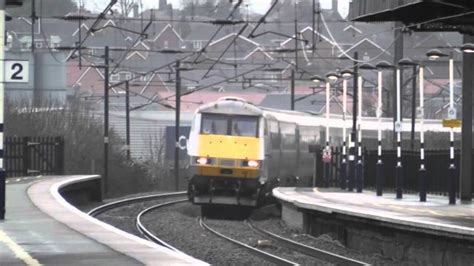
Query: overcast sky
[[259, 6]]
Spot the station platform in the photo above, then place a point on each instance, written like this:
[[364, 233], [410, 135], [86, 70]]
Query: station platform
[[41, 228], [399, 227], [435, 214]]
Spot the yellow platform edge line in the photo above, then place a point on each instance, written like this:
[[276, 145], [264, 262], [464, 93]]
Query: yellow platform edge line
[[18, 250]]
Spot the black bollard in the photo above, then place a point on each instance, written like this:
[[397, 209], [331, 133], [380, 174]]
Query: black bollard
[[343, 175], [359, 176], [452, 184], [399, 180], [379, 178], [327, 172], [423, 184]]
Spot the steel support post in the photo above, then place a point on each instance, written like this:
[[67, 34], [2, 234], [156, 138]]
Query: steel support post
[[177, 124], [292, 103], [466, 179], [413, 109], [2, 93], [105, 181], [127, 118]]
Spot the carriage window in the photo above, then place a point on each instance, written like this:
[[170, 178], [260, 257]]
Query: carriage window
[[214, 124], [244, 126], [217, 124]]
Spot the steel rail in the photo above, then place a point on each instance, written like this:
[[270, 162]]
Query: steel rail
[[106, 207], [149, 235], [266, 256], [308, 250]]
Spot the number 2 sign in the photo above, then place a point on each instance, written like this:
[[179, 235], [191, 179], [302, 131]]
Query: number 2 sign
[[16, 71]]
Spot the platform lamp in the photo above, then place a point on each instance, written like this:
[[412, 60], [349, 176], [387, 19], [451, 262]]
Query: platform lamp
[[380, 177], [345, 74], [327, 156], [468, 48], [435, 54]]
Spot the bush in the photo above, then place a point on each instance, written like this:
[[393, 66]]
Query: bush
[[83, 136]]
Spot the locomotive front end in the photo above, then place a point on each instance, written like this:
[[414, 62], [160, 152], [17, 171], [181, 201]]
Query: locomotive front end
[[226, 151]]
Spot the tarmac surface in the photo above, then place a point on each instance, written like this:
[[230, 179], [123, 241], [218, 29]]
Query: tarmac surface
[[40, 228]]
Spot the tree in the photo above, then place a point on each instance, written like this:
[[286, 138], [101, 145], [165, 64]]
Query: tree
[[126, 6]]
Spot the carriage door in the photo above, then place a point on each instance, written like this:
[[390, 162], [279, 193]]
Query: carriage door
[[274, 149]]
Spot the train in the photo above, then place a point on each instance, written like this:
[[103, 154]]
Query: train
[[239, 151]]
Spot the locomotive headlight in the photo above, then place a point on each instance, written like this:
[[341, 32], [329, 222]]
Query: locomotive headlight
[[251, 163], [203, 161]]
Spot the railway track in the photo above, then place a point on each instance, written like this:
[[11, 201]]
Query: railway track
[[147, 233], [262, 254], [138, 221], [119, 203], [305, 249]]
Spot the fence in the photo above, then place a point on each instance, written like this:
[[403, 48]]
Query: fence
[[436, 164], [34, 156]]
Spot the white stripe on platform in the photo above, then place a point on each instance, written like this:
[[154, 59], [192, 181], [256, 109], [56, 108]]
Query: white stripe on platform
[[18, 250]]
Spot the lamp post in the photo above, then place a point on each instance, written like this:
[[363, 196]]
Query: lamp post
[[451, 115], [380, 177], [409, 63], [422, 171], [433, 55], [327, 156], [398, 129], [352, 146], [343, 176], [316, 79], [360, 165]]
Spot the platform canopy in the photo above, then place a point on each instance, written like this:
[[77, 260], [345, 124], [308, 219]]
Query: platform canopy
[[445, 15]]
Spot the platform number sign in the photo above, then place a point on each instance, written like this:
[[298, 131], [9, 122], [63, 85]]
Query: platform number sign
[[17, 71]]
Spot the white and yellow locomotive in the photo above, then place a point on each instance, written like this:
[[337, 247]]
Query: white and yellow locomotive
[[240, 151]]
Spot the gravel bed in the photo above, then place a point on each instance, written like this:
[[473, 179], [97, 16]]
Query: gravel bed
[[124, 217], [178, 226], [268, 218], [169, 223], [241, 232]]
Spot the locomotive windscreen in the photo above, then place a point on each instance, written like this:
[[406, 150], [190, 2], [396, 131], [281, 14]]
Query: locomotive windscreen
[[235, 125]]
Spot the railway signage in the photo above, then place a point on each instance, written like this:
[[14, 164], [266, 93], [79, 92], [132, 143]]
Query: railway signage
[[420, 112], [17, 71], [398, 126], [452, 113], [182, 141], [452, 123], [378, 112], [327, 156]]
